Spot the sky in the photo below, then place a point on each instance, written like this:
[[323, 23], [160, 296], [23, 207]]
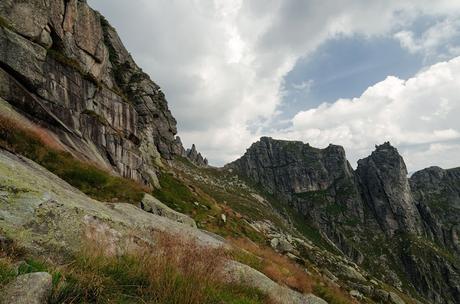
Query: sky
[[354, 73]]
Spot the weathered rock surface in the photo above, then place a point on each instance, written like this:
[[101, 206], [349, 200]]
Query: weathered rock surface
[[63, 64], [319, 183], [240, 273], [386, 190], [437, 192], [356, 212], [45, 214], [152, 205], [31, 288]]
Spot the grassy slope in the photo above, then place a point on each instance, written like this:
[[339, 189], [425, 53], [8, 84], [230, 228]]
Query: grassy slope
[[35, 144], [220, 192], [177, 271]]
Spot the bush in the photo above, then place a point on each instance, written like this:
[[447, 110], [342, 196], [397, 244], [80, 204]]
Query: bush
[[36, 143]]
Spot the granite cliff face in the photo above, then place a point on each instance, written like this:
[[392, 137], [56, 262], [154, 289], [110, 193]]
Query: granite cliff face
[[437, 192], [416, 220], [386, 190], [63, 65]]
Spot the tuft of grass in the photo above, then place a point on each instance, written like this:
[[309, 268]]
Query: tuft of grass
[[37, 145], [175, 271], [7, 272], [332, 294], [274, 265]]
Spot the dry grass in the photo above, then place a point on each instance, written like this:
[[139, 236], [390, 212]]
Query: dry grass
[[38, 145], [274, 265], [285, 271], [7, 124], [174, 271]]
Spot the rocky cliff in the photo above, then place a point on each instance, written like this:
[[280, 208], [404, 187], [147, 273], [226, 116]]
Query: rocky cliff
[[416, 220], [385, 188], [63, 65]]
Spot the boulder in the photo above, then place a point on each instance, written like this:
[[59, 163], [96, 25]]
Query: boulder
[[240, 273], [152, 205], [32, 288]]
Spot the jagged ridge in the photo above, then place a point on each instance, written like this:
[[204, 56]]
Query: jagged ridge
[[361, 210]]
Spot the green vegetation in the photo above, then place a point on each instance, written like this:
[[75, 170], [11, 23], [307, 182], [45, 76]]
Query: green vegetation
[[335, 208], [319, 197], [175, 271], [60, 57], [7, 272], [4, 23], [175, 194], [207, 212], [97, 183], [331, 295]]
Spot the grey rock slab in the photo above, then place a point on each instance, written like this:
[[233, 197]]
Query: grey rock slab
[[32, 288], [240, 273], [42, 211], [153, 205]]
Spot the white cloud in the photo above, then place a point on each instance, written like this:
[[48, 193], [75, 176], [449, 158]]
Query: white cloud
[[221, 64], [435, 41], [304, 85], [419, 114]]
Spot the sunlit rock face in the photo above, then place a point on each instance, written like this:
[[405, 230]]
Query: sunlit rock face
[[63, 64]]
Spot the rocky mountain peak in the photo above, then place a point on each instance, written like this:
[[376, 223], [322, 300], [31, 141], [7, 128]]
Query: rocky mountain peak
[[195, 157], [386, 189]]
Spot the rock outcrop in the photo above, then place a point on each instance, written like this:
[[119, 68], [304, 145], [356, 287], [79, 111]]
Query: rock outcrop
[[386, 190], [319, 183], [45, 215], [63, 65], [437, 192], [195, 157], [359, 211]]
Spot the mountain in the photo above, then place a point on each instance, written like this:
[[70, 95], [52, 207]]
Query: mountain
[[100, 201], [64, 65], [404, 230]]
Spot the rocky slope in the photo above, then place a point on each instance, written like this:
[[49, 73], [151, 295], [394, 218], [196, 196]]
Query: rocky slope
[[370, 235], [358, 211], [46, 216], [63, 65]]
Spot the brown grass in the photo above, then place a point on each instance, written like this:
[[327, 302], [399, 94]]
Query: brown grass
[[175, 270], [285, 271], [33, 130], [276, 266]]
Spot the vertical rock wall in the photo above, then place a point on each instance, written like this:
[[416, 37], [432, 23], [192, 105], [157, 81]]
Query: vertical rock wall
[[61, 63]]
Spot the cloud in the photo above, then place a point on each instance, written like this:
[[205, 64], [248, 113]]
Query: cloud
[[304, 85], [434, 41], [419, 114], [222, 64]]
